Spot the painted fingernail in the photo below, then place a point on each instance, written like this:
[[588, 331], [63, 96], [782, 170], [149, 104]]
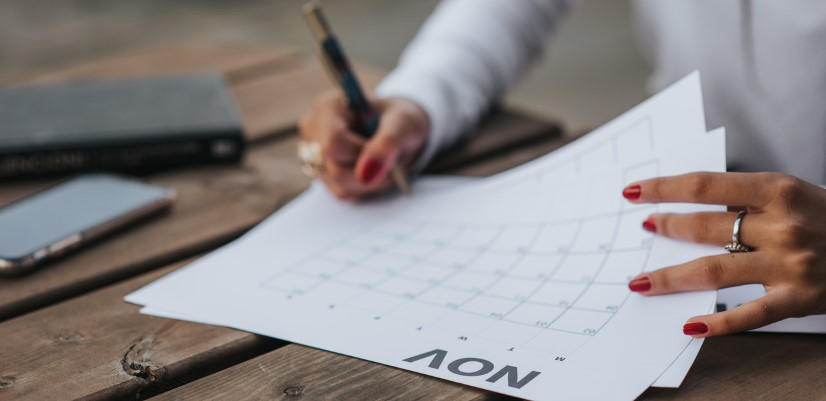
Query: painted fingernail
[[632, 192], [371, 170], [691, 329], [640, 284], [649, 225]]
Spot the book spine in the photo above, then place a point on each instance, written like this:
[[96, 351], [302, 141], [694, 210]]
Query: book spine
[[133, 158]]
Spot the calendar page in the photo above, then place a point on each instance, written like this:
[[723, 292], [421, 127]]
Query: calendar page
[[516, 283]]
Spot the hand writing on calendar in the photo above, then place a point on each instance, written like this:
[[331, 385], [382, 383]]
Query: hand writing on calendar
[[353, 167], [784, 225]]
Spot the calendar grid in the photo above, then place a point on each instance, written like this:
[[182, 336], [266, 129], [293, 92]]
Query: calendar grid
[[564, 273]]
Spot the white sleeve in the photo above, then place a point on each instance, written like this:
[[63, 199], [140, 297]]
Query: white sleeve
[[465, 57]]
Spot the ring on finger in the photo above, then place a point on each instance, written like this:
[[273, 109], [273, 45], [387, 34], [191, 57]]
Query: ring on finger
[[735, 246], [311, 157]]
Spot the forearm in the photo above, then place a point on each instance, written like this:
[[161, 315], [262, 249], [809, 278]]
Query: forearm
[[465, 57]]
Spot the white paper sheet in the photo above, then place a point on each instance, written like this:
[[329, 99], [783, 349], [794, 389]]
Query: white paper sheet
[[516, 284], [671, 378]]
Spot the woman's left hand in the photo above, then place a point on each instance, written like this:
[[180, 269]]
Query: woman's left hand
[[785, 226]]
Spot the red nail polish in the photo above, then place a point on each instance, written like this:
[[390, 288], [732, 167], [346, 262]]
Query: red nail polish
[[371, 170], [691, 329], [632, 192], [649, 225], [640, 284]]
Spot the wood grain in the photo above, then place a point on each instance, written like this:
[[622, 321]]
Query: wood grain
[[98, 347], [171, 59], [739, 367], [296, 372], [754, 366]]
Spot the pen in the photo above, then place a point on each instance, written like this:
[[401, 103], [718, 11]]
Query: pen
[[334, 60]]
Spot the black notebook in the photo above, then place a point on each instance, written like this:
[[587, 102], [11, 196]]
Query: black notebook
[[135, 126]]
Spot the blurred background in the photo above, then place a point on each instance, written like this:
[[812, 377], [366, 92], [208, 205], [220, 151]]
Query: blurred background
[[591, 72]]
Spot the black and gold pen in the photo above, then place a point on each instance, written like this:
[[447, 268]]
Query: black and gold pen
[[337, 65]]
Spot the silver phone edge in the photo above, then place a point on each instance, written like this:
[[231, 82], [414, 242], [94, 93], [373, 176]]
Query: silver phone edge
[[16, 267]]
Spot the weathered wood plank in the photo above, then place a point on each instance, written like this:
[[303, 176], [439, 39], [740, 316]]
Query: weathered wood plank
[[738, 367], [98, 347], [298, 372], [754, 366], [214, 205], [172, 59]]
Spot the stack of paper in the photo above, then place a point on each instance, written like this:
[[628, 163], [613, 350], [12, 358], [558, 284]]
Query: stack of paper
[[515, 283]]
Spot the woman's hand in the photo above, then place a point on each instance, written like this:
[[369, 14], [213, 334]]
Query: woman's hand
[[354, 167], [785, 225]]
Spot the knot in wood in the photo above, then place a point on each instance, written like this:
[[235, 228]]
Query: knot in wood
[[293, 391], [137, 361], [6, 382], [70, 337]]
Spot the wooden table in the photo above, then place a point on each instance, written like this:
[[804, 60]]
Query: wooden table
[[67, 333]]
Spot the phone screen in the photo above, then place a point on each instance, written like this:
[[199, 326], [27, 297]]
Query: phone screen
[[72, 207]]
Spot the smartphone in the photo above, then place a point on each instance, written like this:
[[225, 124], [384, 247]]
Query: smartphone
[[49, 223]]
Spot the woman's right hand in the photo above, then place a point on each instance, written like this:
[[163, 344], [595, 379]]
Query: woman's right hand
[[353, 167]]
